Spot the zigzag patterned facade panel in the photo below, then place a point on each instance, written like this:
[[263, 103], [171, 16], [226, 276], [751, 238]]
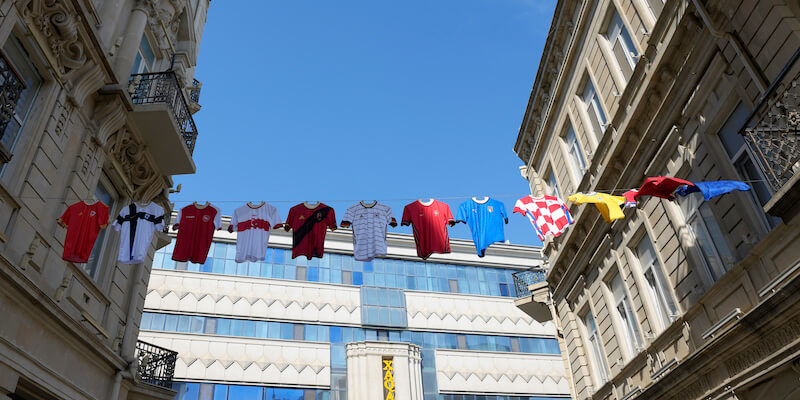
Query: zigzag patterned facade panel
[[205, 358], [435, 311], [212, 294], [500, 373]]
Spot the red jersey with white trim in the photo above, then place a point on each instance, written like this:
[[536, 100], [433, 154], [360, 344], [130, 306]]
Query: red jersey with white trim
[[309, 226], [83, 222], [196, 226], [430, 226]]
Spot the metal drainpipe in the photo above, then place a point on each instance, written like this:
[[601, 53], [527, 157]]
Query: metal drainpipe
[[117, 384], [747, 60]]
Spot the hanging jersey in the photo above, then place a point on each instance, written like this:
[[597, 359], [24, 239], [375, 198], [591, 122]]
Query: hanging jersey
[[608, 205], [252, 225], [369, 229], [630, 198], [429, 223], [713, 189], [309, 226], [485, 221], [661, 186], [196, 226], [83, 222], [548, 214], [136, 225]]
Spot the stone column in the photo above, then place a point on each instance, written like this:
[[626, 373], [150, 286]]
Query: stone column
[[365, 370], [130, 44]]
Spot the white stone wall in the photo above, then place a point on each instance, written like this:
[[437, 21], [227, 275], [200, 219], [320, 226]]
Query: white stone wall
[[244, 297], [265, 362], [470, 313], [463, 371]]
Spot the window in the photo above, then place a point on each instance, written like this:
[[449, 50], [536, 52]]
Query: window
[[383, 307], [702, 225], [145, 58], [20, 61], [552, 185], [621, 45], [574, 153], [593, 108], [657, 289], [598, 361], [453, 285], [624, 314], [742, 160], [103, 193]]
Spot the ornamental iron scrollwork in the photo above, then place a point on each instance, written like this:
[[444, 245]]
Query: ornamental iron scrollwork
[[156, 365], [773, 133], [11, 87], [523, 279]]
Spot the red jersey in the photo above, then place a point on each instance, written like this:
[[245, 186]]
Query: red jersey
[[83, 222], [430, 226], [196, 226], [309, 226]]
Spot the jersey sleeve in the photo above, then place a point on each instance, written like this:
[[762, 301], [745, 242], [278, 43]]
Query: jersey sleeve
[[274, 218], [503, 212], [519, 207], [447, 213], [217, 218], [178, 218], [234, 222], [406, 219], [389, 215], [462, 212], [159, 226], [64, 219], [331, 219], [289, 219], [117, 224], [349, 216], [102, 217]]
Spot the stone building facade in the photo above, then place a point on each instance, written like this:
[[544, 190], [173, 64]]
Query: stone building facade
[[681, 299], [97, 101]]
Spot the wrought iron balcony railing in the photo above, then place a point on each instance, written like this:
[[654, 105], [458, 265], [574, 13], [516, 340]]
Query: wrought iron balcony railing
[[523, 279], [163, 88], [11, 87], [772, 129], [156, 364]]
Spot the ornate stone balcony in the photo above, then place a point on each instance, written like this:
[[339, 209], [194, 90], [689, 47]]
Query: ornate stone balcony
[[156, 364], [165, 120], [533, 294], [773, 136]]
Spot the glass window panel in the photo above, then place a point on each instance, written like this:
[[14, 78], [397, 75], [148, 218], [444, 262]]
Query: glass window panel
[[274, 330], [335, 334], [217, 266], [171, 323], [223, 326], [158, 322], [261, 329], [230, 267], [503, 343], [289, 272], [210, 326], [240, 392], [287, 331], [299, 332], [503, 289], [236, 327], [220, 392], [147, 319], [301, 273], [358, 278], [191, 391], [241, 269], [347, 277], [249, 328], [197, 325]]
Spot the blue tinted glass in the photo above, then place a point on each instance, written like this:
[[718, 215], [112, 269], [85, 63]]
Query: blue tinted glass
[[147, 319], [335, 334], [249, 329], [157, 323], [197, 325], [278, 256], [503, 289], [236, 327], [368, 266], [261, 329], [358, 278], [287, 331], [289, 272], [217, 265], [171, 323], [312, 274], [191, 391], [220, 392], [239, 392], [503, 343], [230, 267], [274, 330], [208, 266], [218, 249], [223, 326], [241, 269]]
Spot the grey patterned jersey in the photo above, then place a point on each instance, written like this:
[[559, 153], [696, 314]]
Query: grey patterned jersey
[[369, 229]]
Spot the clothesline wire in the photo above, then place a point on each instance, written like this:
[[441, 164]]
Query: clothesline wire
[[609, 191]]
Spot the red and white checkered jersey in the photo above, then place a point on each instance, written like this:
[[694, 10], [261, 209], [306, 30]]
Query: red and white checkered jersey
[[549, 215]]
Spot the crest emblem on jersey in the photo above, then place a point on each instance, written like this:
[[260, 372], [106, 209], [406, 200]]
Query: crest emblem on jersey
[[436, 212], [318, 216], [302, 217], [206, 218], [92, 213], [490, 208]]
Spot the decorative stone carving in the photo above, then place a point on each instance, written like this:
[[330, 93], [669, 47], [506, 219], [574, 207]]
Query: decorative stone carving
[[131, 157], [57, 24]]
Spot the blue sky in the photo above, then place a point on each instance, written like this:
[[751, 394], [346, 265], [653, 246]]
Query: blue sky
[[352, 100]]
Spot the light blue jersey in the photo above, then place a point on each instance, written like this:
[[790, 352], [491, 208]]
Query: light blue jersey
[[485, 220]]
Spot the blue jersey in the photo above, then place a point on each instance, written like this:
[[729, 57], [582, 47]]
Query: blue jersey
[[485, 221]]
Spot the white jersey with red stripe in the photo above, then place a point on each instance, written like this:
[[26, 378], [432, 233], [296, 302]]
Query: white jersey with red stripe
[[548, 215], [252, 225]]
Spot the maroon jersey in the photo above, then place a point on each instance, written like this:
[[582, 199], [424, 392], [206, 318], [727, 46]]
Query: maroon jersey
[[309, 226], [430, 226], [196, 226], [83, 222]]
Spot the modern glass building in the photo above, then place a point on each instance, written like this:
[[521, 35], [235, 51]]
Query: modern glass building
[[293, 329]]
